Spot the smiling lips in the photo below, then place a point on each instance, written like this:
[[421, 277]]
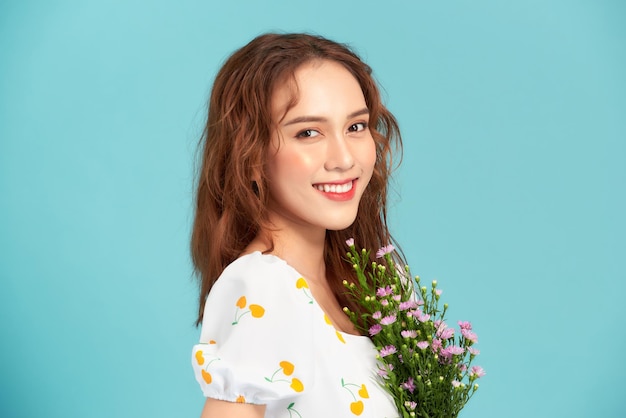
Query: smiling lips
[[334, 191]]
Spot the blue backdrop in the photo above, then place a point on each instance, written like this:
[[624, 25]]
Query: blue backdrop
[[511, 192]]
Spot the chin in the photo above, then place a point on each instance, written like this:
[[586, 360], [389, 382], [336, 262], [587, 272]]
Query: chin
[[340, 225]]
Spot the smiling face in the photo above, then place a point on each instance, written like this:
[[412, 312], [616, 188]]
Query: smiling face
[[322, 153]]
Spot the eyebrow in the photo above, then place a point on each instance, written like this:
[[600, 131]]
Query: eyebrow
[[300, 119]]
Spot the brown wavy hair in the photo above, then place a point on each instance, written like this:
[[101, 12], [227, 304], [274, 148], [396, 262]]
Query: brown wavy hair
[[232, 193]]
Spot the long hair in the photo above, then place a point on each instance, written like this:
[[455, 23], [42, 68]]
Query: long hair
[[232, 193]]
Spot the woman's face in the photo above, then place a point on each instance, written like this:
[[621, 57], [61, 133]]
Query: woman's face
[[322, 153]]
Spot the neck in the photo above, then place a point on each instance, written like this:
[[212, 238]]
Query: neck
[[304, 253], [301, 247]]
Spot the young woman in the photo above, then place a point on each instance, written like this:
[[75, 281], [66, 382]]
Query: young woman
[[296, 158]]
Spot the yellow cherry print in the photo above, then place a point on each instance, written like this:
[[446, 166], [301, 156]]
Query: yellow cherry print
[[240, 399], [241, 302], [199, 357], [206, 376], [356, 407], [296, 385], [337, 333], [287, 367], [257, 311], [303, 285]]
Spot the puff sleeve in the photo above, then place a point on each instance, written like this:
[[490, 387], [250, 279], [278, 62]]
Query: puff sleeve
[[256, 345]]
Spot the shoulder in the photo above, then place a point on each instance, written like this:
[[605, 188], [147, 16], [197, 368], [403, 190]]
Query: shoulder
[[257, 322], [257, 266], [263, 275], [255, 287]]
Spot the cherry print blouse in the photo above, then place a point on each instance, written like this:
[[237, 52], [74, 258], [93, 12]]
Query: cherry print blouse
[[265, 340]]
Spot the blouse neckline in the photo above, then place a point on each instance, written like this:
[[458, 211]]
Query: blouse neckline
[[346, 335]]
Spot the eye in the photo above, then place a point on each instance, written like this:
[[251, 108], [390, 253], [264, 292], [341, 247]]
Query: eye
[[357, 127], [307, 133]]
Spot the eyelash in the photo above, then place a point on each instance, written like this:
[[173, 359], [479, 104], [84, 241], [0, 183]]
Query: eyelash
[[307, 132], [364, 127]]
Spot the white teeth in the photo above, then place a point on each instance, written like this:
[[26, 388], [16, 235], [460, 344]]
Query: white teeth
[[334, 188]]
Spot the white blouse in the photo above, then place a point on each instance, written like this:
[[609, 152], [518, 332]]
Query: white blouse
[[265, 340]]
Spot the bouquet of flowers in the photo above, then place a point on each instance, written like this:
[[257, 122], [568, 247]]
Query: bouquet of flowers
[[424, 364]]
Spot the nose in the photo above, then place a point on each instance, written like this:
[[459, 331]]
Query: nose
[[339, 156]]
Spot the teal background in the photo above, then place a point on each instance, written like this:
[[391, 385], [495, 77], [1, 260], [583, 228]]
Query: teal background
[[511, 192]]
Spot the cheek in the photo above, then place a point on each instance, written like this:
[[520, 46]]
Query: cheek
[[289, 164], [368, 156], [310, 157]]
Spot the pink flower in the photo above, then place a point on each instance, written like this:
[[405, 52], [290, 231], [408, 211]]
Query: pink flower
[[455, 350], [382, 292], [376, 315], [477, 372], [409, 334], [384, 251], [462, 367], [446, 334], [384, 370], [473, 351], [397, 298], [384, 302], [409, 385], [444, 356], [409, 304], [469, 335], [388, 350], [420, 302], [375, 329], [388, 320], [436, 344], [411, 405], [465, 325], [350, 242], [438, 292], [456, 383], [422, 317], [422, 344]]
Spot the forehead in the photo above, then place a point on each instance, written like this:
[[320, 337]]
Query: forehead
[[314, 85]]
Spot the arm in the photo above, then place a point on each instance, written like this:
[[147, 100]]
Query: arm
[[214, 408]]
